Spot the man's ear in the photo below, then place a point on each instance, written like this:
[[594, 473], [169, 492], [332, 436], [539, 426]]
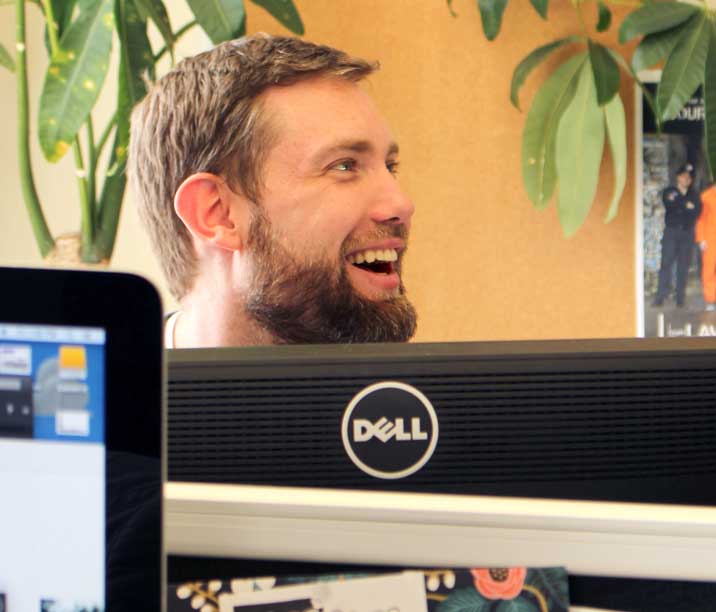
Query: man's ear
[[207, 206]]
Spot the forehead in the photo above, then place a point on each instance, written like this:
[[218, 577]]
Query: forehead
[[311, 114]]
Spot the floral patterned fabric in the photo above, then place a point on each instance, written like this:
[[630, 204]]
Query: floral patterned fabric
[[516, 589]]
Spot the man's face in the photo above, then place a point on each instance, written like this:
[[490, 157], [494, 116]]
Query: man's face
[[683, 180], [328, 241]]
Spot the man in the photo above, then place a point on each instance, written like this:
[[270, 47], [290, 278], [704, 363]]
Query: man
[[267, 179], [706, 238], [683, 207]]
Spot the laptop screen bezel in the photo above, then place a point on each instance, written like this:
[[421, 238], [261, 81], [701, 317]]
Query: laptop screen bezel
[[129, 309]]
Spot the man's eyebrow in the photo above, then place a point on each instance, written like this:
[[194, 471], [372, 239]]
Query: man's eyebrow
[[355, 146]]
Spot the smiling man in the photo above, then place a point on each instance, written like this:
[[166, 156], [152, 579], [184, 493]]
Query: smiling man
[[266, 177]]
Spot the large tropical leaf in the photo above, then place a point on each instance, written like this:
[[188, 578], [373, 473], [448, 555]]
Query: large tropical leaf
[[74, 78], [684, 70], [615, 119], [135, 61], [529, 63], [604, 17], [710, 103], [655, 17], [221, 19], [6, 59], [285, 12], [464, 600], [605, 71], [578, 151], [157, 12], [491, 13], [538, 137], [653, 48]]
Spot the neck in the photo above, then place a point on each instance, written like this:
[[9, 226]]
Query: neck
[[213, 314], [211, 325]]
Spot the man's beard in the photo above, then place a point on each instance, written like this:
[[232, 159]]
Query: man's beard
[[316, 303]]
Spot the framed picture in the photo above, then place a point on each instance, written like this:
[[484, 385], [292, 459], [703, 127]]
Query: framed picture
[[676, 293]]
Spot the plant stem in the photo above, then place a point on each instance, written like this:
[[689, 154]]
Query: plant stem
[[105, 135], [86, 206], [578, 7], [179, 33], [87, 221], [632, 3], [51, 25], [43, 237], [91, 165]]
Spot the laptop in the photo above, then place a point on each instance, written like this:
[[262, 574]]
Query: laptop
[[80, 442]]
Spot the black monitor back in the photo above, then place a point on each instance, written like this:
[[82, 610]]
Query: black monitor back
[[620, 420]]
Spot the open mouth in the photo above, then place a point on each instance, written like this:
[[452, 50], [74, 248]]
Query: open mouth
[[377, 261]]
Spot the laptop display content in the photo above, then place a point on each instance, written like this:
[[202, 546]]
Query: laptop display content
[[52, 467]]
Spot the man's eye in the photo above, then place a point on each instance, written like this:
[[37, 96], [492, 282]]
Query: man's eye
[[393, 167], [345, 165]]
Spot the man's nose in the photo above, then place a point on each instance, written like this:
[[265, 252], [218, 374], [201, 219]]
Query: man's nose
[[391, 204]]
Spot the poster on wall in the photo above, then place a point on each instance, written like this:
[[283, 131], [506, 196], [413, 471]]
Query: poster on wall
[[676, 222]]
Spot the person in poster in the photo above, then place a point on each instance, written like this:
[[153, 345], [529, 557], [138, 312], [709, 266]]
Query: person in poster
[[669, 159], [682, 207], [706, 238]]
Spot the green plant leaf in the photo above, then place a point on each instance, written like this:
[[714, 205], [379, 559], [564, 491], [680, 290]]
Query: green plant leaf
[[655, 17], [655, 47], [538, 137], [529, 63], [518, 604], [74, 79], [464, 600], [157, 12], [551, 581], [684, 69], [578, 151], [135, 61], [6, 59], [285, 12], [615, 119], [604, 17], [221, 19], [491, 14], [605, 71], [62, 10], [450, 8], [644, 90], [87, 4], [541, 7], [710, 103]]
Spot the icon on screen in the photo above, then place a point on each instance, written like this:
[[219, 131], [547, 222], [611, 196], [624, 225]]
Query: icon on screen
[[72, 362], [16, 415], [15, 359], [61, 390]]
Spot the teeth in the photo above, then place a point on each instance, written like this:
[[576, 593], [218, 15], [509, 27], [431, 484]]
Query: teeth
[[371, 255]]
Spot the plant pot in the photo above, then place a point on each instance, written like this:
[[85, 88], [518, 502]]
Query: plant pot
[[66, 254]]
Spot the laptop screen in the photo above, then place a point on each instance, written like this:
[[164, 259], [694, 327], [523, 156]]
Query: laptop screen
[[52, 468]]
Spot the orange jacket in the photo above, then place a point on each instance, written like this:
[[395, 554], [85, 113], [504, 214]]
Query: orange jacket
[[706, 225]]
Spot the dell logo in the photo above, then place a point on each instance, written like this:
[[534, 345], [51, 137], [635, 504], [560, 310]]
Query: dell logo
[[384, 430], [390, 430]]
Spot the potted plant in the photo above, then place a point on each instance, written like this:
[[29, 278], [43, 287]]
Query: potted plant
[[79, 39]]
